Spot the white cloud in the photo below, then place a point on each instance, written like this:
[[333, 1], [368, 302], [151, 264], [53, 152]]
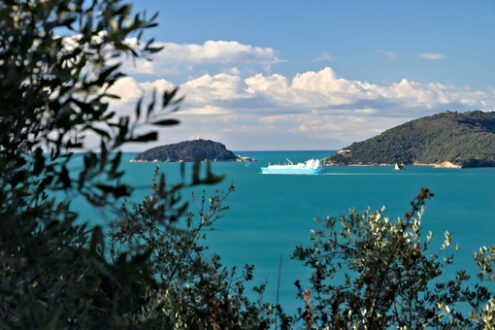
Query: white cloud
[[207, 110], [324, 57], [314, 109], [158, 85], [127, 88], [217, 52], [206, 89], [432, 56], [389, 54], [233, 70], [174, 55]]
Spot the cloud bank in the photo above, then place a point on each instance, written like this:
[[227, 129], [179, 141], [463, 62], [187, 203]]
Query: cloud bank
[[313, 109]]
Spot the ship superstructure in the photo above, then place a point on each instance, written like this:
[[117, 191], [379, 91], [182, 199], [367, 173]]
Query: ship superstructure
[[311, 166]]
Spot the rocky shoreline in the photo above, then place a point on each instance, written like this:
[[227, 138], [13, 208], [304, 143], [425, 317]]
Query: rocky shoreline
[[444, 164], [238, 158]]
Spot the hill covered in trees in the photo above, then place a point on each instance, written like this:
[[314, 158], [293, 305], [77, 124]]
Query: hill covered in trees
[[450, 138], [187, 151]]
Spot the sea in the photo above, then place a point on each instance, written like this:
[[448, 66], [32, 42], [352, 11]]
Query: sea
[[269, 215]]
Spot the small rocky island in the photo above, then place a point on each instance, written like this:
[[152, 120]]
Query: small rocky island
[[448, 140], [189, 151]]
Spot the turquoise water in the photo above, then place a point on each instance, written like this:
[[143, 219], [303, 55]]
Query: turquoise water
[[270, 214]]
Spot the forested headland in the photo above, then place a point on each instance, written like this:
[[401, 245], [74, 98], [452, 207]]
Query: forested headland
[[464, 139]]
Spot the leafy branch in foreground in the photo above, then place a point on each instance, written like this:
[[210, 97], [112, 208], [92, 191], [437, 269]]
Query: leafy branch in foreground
[[371, 272], [193, 290], [58, 61]]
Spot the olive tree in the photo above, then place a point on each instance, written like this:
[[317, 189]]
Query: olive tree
[[193, 289], [370, 272], [58, 60]]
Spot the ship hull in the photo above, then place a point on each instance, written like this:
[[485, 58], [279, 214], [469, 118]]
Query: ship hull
[[266, 170]]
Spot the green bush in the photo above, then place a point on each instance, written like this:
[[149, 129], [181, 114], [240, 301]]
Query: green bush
[[369, 272], [192, 290]]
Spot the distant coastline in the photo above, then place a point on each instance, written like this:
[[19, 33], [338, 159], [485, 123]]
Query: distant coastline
[[444, 140]]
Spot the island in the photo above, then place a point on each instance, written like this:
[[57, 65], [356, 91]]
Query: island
[[189, 151], [447, 140]]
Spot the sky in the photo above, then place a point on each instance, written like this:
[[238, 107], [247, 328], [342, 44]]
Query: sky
[[312, 75]]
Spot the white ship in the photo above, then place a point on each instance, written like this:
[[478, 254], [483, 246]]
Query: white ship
[[311, 166]]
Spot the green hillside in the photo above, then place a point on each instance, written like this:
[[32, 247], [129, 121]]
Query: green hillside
[[187, 151], [465, 139]]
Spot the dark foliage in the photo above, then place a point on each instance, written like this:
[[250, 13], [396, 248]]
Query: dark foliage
[[466, 139], [58, 59], [55, 70], [192, 290]]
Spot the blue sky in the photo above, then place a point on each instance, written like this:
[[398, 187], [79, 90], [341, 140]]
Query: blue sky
[[315, 74]]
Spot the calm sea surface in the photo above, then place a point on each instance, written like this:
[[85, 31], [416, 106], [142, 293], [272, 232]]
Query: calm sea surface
[[270, 214]]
